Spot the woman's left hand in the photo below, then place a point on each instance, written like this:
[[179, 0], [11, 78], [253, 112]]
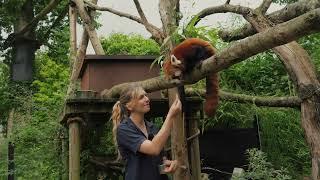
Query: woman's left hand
[[170, 166]]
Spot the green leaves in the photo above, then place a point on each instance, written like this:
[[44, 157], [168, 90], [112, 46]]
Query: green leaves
[[260, 169], [121, 44], [51, 82]]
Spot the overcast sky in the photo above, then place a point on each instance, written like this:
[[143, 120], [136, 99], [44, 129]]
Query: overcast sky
[[112, 23]]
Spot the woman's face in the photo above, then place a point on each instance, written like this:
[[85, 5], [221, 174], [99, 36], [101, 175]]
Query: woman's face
[[141, 104]]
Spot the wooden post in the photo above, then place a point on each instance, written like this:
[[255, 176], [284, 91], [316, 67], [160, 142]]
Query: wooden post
[[74, 147], [193, 140], [73, 45], [178, 142], [64, 155], [10, 161]]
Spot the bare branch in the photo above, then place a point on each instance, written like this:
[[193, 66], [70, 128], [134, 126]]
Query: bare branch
[[237, 52], [113, 11], [140, 11], [96, 44], [52, 4], [289, 12], [79, 56], [82, 49], [264, 6], [155, 31], [269, 101], [222, 9]]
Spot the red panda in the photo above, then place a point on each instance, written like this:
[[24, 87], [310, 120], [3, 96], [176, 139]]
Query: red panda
[[184, 57]]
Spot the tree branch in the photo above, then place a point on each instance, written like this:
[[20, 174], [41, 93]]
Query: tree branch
[[289, 12], [269, 101], [237, 52], [52, 4], [55, 23], [96, 44], [221, 9], [264, 6], [155, 31], [81, 50], [140, 11]]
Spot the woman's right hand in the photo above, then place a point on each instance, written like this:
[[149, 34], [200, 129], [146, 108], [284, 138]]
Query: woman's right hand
[[175, 108]]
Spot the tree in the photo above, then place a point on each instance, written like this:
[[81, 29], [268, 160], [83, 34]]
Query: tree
[[21, 19]]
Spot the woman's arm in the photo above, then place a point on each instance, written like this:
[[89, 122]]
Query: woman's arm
[[155, 146]]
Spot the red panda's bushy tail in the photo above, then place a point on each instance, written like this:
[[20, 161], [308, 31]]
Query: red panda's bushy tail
[[212, 96]]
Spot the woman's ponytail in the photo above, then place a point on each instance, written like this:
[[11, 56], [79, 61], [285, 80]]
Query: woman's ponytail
[[116, 118]]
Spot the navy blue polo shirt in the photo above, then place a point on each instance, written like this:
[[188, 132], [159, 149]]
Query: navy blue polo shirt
[[139, 166]]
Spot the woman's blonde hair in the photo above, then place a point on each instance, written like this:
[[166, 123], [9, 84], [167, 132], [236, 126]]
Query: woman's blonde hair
[[120, 110]]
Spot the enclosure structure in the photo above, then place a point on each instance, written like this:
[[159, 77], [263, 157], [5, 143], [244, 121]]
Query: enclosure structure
[[86, 111]]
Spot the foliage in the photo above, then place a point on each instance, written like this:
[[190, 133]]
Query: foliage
[[51, 82], [10, 10], [58, 46], [36, 132], [263, 74], [133, 44], [260, 169], [312, 43], [283, 139], [202, 32]]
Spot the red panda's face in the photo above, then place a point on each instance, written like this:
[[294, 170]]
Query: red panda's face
[[173, 68]]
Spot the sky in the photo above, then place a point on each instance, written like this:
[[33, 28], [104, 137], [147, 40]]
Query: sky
[[113, 23]]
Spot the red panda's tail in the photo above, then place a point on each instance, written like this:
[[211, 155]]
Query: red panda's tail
[[212, 97]]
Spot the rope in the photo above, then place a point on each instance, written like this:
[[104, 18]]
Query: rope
[[194, 136]]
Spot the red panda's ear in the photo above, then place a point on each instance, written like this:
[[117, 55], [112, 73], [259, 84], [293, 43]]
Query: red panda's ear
[[174, 60]]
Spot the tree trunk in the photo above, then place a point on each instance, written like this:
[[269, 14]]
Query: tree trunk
[[300, 68], [24, 46]]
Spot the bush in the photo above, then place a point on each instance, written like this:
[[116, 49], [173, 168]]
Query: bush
[[260, 169]]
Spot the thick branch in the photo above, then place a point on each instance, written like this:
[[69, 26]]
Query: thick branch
[[238, 51], [269, 101], [73, 44], [96, 44], [81, 52], [264, 6], [155, 31], [289, 12], [221, 9], [52, 4]]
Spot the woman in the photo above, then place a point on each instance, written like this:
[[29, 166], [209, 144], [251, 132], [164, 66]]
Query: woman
[[139, 142]]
